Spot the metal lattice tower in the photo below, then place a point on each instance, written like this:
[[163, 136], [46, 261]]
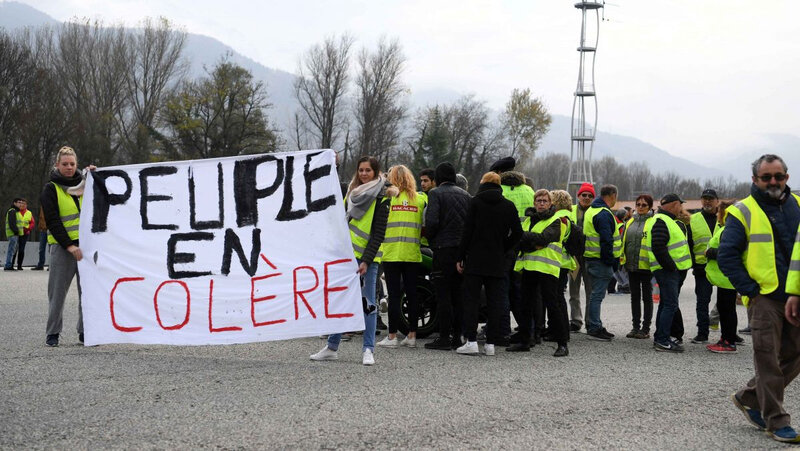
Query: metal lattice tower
[[584, 105]]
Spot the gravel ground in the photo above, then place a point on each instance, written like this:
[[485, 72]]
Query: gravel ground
[[620, 394]]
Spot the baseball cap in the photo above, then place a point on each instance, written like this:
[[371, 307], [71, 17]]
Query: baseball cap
[[709, 193], [671, 197]]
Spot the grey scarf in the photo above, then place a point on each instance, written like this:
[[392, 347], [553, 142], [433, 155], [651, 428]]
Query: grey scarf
[[361, 197]]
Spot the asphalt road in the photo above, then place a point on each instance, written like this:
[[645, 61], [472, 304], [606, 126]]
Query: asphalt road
[[620, 394]]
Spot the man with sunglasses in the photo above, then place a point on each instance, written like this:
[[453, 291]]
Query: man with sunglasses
[[703, 224], [755, 253]]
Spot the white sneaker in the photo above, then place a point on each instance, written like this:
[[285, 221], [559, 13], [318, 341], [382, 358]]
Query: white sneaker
[[410, 342], [470, 348], [488, 349], [368, 358], [387, 343], [325, 354]]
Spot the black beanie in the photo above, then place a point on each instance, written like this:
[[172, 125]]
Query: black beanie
[[445, 172]]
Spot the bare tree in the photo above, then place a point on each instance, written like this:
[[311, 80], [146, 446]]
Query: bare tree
[[321, 85], [156, 67], [378, 109]]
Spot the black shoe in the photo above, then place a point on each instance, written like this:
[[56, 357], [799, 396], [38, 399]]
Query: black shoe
[[598, 335], [669, 346], [518, 347], [562, 351], [700, 339], [607, 333], [678, 341], [52, 340], [574, 328], [19, 268], [380, 325], [37, 268], [502, 342], [537, 340], [80, 338], [515, 338], [739, 340], [9, 269], [745, 331], [633, 333], [549, 337], [441, 344], [456, 342]]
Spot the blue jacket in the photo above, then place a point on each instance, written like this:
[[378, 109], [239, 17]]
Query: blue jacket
[[785, 217], [605, 223]]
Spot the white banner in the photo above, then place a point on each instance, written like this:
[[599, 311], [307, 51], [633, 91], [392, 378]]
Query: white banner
[[218, 251]]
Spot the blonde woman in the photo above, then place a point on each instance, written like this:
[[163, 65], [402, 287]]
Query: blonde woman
[[61, 201], [401, 254]]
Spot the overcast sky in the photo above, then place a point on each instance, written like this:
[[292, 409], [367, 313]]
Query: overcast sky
[[695, 77]]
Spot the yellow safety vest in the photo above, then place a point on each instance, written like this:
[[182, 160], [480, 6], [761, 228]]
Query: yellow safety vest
[[18, 219], [521, 196], [403, 230], [713, 273], [593, 237], [644, 257], [793, 278], [360, 230], [548, 259], [69, 213], [568, 262], [424, 197], [701, 234], [677, 246]]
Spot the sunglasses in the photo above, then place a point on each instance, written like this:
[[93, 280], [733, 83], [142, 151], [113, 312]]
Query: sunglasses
[[589, 195], [779, 177], [642, 205]]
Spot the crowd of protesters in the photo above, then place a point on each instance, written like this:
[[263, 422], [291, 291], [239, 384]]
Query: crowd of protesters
[[523, 248]]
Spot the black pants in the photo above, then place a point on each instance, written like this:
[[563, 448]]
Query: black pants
[[538, 287], [448, 284], [401, 277], [641, 294], [726, 305], [677, 330], [494, 306], [23, 240]]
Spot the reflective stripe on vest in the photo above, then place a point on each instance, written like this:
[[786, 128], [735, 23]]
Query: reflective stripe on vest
[[701, 234], [403, 229], [713, 273], [360, 232], [18, 220], [69, 213], [677, 246], [793, 278], [546, 260], [593, 237], [643, 257], [567, 261], [521, 196], [759, 257]]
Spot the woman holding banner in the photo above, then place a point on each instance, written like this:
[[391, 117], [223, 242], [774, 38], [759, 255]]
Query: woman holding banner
[[61, 201], [402, 256], [367, 208]]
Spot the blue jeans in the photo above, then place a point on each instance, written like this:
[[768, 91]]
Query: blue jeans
[[371, 320], [601, 275], [42, 249], [12, 247], [669, 283], [703, 290]]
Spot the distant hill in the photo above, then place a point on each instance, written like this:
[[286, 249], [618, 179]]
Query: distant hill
[[203, 51]]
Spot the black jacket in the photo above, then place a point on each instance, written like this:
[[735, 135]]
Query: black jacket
[[49, 202], [445, 215], [531, 240], [491, 228], [660, 240]]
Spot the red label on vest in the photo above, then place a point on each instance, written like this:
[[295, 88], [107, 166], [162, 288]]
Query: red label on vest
[[405, 208]]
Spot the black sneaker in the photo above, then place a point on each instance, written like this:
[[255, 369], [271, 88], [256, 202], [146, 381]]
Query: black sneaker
[[678, 341], [80, 338], [700, 339], [739, 340], [518, 347], [37, 268], [607, 333], [9, 269], [561, 351], [745, 331], [667, 347], [633, 333], [380, 325], [574, 328], [598, 335], [441, 344], [52, 340]]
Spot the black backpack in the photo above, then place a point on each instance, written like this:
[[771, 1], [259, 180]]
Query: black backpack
[[576, 241]]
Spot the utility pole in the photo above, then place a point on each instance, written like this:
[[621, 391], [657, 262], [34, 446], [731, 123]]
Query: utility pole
[[584, 104]]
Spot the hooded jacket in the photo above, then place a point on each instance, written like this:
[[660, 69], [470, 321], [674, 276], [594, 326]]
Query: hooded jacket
[[491, 229], [447, 209]]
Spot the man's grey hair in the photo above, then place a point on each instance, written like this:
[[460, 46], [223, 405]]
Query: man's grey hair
[[768, 158], [608, 190]]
